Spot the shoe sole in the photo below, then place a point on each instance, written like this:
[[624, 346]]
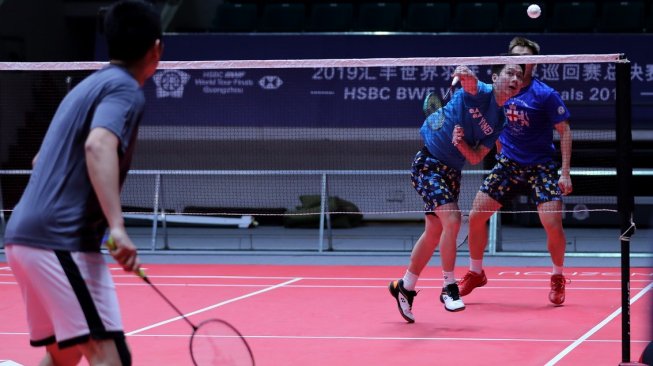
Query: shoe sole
[[454, 310], [391, 289]]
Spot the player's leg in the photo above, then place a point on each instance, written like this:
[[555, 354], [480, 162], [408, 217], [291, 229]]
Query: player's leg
[[106, 352], [56, 356], [449, 215], [483, 208], [497, 187], [551, 217], [426, 244], [556, 242], [548, 198]]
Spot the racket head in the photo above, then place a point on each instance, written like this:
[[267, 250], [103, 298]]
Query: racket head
[[431, 104], [216, 342]]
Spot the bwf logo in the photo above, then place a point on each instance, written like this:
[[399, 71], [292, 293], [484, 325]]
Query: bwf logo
[[170, 83]]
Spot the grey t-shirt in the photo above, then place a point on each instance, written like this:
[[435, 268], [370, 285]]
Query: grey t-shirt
[[59, 209]]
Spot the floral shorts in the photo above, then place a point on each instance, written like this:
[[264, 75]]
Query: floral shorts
[[509, 178], [437, 183]]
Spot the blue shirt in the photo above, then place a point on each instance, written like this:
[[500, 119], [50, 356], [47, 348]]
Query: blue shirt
[[531, 117], [59, 209], [480, 117]]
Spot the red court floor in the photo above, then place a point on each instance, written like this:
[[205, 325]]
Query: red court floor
[[344, 315]]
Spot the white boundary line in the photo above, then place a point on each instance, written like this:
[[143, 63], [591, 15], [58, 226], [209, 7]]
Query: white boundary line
[[187, 285], [212, 306], [606, 277], [368, 338], [596, 328]]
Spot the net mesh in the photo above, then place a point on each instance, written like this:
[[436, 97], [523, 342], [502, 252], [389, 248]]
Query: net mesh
[[266, 138]]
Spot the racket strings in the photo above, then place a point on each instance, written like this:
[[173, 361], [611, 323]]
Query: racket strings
[[216, 342]]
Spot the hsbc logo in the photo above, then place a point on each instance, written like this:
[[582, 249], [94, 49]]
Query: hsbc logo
[[270, 82]]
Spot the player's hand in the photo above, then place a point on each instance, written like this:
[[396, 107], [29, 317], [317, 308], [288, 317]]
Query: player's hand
[[457, 135], [123, 250], [467, 78], [565, 184]]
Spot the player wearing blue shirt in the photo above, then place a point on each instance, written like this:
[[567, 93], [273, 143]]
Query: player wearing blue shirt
[[54, 235], [526, 158], [464, 130]]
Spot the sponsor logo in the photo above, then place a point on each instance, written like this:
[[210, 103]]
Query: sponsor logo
[[170, 83], [270, 82]]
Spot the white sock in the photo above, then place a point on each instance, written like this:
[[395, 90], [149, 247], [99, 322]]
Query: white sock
[[449, 278], [557, 270], [410, 280], [476, 265]]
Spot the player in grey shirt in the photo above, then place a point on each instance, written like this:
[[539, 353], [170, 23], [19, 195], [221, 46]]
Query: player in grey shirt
[[53, 237]]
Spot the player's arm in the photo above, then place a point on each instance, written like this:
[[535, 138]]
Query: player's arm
[[565, 149], [102, 162], [473, 155]]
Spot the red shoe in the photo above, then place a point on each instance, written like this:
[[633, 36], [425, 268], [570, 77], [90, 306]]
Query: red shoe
[[470, 281], [557, 294]]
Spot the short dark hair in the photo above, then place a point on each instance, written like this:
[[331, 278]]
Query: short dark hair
[[496, 69], [131, 27], [524, 42]]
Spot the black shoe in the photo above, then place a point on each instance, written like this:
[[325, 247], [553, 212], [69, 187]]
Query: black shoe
[[450, 297], [404, 299]]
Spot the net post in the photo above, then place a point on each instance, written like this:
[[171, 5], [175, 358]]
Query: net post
[[323, 201], [2, 216], [625, 198], [494, 236], [155, 213]]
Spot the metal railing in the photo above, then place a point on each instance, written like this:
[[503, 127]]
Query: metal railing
[[324, 239]]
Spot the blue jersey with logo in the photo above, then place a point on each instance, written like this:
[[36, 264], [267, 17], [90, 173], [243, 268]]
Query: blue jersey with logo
[[480, 117], [531, 117]]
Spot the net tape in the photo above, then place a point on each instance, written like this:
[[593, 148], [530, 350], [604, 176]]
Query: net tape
[[311, 63]]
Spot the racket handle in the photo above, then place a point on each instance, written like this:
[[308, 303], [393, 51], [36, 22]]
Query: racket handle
[[111, 245]]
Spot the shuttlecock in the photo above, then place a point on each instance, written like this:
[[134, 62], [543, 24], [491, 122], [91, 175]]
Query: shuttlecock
[[534, 11]]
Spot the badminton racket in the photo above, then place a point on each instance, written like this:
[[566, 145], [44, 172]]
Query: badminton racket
[[433, 104], [213, 341]]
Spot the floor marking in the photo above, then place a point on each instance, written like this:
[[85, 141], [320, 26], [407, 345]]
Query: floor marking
[[243, 285], [367, 338], [543, 278], [214, 306], [9, 363], [596, 328]]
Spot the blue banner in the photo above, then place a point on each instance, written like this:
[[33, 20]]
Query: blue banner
[[379, 96]]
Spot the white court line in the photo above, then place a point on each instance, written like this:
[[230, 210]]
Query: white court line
[[378, 338], [368, 338], [378, 287], [213, 306], [543, 277], [605, 321], [163, 284]]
